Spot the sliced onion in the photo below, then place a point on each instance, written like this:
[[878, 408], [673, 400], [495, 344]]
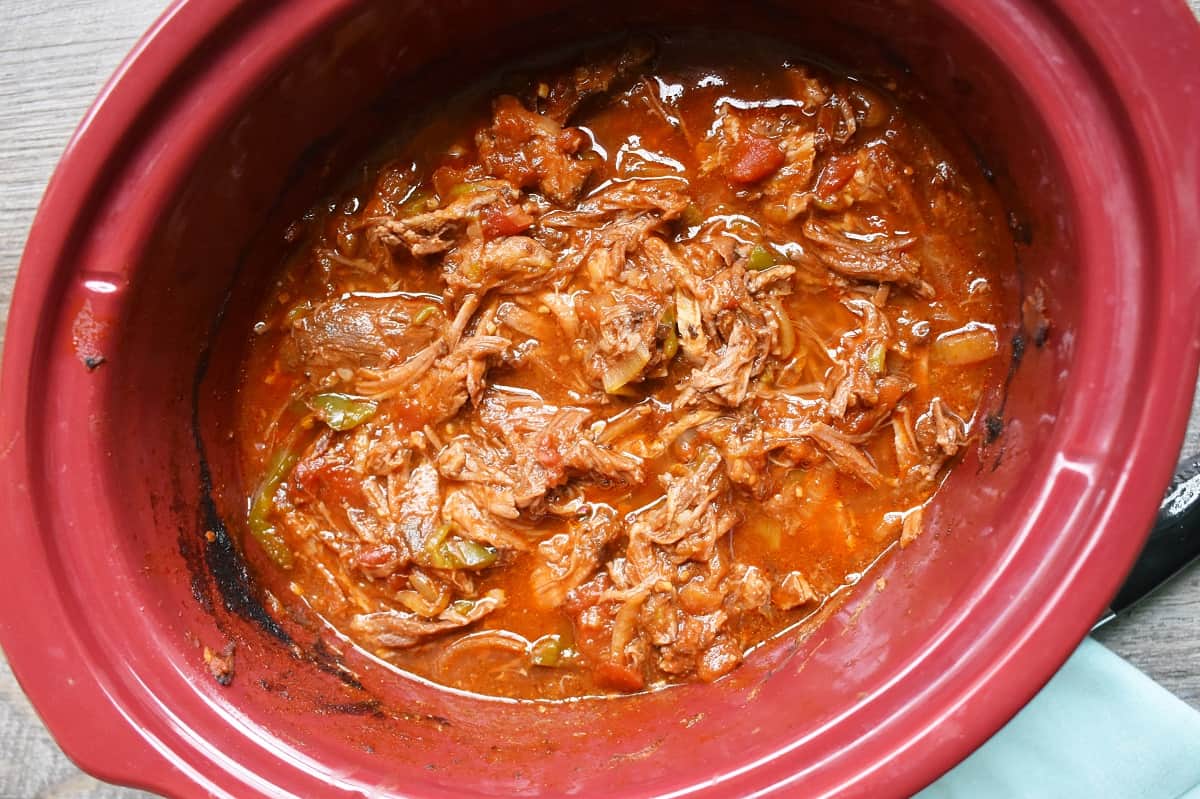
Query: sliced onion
[[690, 325], [787, 333], [972, 343], [626, 369], [418, 604]]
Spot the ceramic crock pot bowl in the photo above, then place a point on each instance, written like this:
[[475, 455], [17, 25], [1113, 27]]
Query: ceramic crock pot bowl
[[116, 473]]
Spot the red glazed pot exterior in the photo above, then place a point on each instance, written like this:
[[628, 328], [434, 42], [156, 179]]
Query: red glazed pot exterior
[[1086, 115]]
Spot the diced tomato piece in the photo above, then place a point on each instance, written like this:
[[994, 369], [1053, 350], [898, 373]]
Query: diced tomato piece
[[318, 474], [753, 158], [409, 416], [619, 677], [507, 221], [890, 393], [446, 178], [375, 558], [572, 140], [836, 173]]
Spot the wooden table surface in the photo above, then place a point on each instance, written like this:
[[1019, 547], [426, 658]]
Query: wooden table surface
[[54, 56]]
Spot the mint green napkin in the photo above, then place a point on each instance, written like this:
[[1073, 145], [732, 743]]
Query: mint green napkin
[[1099, 729]]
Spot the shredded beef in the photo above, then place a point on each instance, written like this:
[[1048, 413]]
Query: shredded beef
[[690, 519], [513, 264], [867, 256], [567, 559], [396, 629], [860, 372], [441, 381], [521, 452], [358, 332], [475, 513], [571, 90], [436, 231], [534, 151], [626, 345], [638, 373]]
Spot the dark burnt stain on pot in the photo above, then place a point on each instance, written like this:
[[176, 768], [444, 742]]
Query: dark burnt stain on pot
[[218, 568], [993, 422], [218, 563], [215, 559], [368, 707], [993, 426], [321, 655], [221, 565], [981, 161], [1032, 326], [1022, 231], [228, 571], [1035, 327]]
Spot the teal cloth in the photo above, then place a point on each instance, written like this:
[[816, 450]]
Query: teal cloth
[[1099, 729]]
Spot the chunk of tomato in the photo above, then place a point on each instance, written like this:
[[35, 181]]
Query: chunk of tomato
[[753, 158]]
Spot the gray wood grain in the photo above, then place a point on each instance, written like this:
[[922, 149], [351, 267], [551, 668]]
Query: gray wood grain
[[54, 56]]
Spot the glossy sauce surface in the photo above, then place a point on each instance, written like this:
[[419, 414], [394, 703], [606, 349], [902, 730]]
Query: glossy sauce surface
[[599, 381]]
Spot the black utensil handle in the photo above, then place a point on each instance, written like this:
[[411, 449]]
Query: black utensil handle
[[1174, 541]]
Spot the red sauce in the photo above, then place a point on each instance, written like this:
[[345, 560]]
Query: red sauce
[[735, 314]]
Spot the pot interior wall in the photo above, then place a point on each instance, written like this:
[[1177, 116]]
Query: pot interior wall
[[310, 122]]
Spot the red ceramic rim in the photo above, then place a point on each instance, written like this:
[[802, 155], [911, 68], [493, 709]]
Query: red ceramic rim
[[1142, 55]]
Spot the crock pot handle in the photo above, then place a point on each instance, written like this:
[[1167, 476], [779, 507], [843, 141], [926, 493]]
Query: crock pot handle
[[1174, 541]]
